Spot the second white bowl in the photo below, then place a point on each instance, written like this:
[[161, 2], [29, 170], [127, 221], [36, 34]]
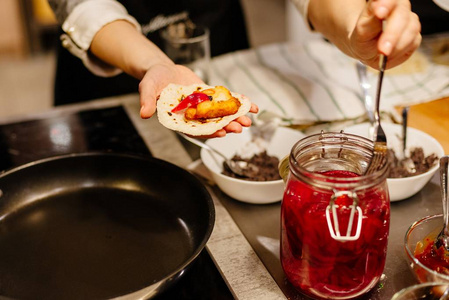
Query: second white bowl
[[403, 188]]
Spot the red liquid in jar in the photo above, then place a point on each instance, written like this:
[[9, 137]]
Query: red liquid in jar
[[312, 260]]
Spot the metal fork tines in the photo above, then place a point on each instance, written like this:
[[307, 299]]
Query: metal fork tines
[[380, 151], [380, 140]]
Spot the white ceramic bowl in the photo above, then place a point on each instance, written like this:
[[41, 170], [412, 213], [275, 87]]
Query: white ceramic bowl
[[257, 192], [403, 188]]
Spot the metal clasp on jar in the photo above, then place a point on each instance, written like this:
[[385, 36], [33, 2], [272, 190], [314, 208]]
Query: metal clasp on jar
[[333, 223]]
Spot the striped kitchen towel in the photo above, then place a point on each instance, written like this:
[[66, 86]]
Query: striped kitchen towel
[[315, 83]]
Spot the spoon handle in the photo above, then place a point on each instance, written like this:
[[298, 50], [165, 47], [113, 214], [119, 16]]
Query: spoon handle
[[404, 128], [444, 193], [202, 145]]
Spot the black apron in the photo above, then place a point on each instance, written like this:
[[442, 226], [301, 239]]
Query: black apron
[[224, 18], [433, 18]]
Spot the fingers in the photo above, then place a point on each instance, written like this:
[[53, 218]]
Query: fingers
[[235, 126], [398, 38], [401, 34], [381, 9], [156, 79], [406, 46], [254, 108], [403, 44], [217, 134]]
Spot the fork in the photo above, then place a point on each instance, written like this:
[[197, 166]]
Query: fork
[[380, 140], [367, 99]]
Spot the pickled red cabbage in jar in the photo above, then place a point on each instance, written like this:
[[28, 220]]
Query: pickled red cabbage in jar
[[314, 261]]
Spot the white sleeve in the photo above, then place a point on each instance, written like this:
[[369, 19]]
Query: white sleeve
[[84, 22], [303, 7]]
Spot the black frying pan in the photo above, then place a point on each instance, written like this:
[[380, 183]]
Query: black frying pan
[[99, 226]]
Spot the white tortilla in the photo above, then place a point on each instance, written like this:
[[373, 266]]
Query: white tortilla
[[172, 95]]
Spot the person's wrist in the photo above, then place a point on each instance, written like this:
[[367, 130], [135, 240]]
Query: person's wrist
[[149, 56]]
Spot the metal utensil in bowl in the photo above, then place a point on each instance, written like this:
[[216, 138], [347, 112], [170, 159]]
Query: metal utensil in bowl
[[406, 162], [442, 239], [367, 99], [380, 139], [263, 129], [239, 167]]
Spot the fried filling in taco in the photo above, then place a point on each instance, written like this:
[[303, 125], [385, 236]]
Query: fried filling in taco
[[208, 104]]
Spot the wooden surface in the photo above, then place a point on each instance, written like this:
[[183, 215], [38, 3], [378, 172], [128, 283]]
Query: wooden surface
[[13, 39], [432, 118]]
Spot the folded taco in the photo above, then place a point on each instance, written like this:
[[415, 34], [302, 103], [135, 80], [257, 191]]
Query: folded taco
[[199, 109]]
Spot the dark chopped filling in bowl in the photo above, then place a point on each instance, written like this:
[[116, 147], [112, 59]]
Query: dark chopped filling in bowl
[[422, 163], [267, 168]]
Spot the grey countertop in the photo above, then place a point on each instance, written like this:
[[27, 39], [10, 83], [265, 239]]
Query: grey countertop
[[245, 242]]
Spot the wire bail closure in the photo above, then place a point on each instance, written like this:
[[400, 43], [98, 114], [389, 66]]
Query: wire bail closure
[[333, 223]]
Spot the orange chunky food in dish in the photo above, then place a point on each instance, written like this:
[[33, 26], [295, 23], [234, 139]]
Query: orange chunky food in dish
[[199, 109], [433, 257]]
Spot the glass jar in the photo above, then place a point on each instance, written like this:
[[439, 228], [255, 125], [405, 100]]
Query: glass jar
[[334, 219]]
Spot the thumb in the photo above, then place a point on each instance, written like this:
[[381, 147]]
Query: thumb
[[369, 23], [148, 98], [154, 81], [381, 9]]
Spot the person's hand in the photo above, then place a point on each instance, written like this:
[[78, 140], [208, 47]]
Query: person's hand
[[160, 75], [398, 39], [146, 62]]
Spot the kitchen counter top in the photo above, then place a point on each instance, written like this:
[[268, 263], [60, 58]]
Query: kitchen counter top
[[245, 242]]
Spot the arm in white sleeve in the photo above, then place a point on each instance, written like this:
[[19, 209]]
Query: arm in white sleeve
[[81, 20]]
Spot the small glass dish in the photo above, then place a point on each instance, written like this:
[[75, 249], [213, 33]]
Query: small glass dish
[[427, 227], [427, 291]]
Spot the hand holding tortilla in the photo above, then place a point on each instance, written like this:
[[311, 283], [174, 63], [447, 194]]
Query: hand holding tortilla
[[199, 109]]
